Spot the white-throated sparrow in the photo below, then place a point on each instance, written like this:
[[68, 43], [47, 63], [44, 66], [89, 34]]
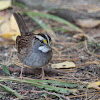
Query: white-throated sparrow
[[33, 49]]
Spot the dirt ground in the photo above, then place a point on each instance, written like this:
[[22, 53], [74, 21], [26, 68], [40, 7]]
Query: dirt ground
[[83, 51]]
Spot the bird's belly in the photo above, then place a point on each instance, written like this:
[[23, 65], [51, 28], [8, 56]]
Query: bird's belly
[[36, 61]]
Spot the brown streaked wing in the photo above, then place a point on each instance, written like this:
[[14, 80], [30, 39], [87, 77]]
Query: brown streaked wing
[[23, 42]]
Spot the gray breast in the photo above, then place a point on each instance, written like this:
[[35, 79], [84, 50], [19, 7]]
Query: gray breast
[[37, 59]]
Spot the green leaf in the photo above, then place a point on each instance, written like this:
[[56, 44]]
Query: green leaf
[[57, 83], [61, 29], [41, 85], [44, 94], [58, 96], [5, 69], [6, 88], [53, 17]]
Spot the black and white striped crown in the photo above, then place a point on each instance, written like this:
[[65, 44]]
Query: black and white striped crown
[[43, 37]]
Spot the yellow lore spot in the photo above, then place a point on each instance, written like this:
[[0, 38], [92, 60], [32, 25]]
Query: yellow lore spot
[[45, 41]]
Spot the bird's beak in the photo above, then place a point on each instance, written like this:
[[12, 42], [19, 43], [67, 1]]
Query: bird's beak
[[49, 45]]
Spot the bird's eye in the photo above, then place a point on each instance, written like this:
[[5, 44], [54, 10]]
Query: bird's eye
[[41, 41], [45, 41]]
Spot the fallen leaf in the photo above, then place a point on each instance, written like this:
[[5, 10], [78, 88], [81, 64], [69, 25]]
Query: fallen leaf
[[88, 23], [14, 28], [4, 16], [94, 85], [13, 25], [5, 27], [9, 29], [10, 35], [6, 35], [79, 36], [4, 4], [65, 64]]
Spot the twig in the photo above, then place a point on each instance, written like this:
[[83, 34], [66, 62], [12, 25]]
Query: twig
[[81, 95], [89, 63], [89, 52], [66, 98]]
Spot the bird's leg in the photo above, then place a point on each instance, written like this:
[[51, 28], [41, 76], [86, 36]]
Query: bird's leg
[[42, 73], [21, 76]]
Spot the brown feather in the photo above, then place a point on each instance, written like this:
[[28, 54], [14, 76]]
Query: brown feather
[[24, 40], [21, 24], [22, 43]]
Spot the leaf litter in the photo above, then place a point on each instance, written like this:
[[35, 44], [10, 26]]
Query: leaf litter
[[74, 84]]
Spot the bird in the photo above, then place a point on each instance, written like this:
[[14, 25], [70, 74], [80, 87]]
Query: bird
[[34, 50]]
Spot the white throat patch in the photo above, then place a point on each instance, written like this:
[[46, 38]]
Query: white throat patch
[[44, 49]]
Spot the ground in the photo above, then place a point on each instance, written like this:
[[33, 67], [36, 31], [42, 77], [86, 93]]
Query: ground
[[82, 50]]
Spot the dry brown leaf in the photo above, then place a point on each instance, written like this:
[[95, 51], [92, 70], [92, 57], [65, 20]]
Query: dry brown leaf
[[78, 36], [88, 23], [4, 4], [65, 64], [4, 16], [10, 35], [10, 29], [14, 28], [5, 27], [13, 25]]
